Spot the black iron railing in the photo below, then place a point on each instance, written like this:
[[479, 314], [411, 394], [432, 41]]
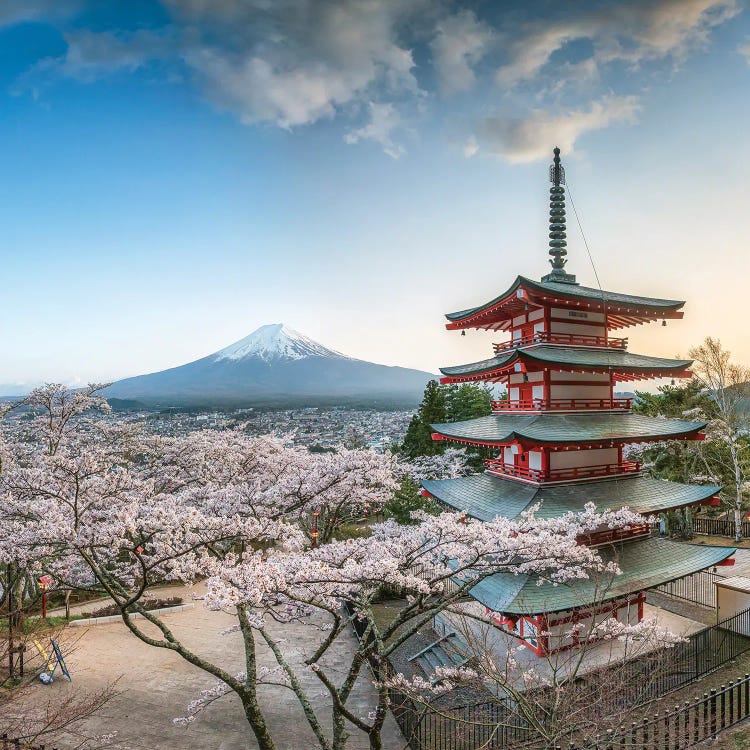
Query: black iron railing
[[698, 588]]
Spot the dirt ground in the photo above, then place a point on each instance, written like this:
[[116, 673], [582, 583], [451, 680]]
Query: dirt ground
[[157, 686]]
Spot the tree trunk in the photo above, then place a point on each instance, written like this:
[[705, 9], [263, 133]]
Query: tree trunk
[[738, 489], [737, 525], [257, 723]]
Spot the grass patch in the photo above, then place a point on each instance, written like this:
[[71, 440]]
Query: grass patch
[[31, 625], [147, 604], [351, 531]]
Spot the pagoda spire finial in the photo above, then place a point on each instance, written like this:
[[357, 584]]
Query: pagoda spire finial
[[557, 243]]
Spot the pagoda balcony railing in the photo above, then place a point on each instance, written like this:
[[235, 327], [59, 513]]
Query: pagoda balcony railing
[[598, 538], [571, 339], [500, 468], [560, 404]]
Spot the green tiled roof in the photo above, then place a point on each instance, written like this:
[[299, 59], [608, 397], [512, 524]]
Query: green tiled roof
[[485, 496], [566, 428], [576, 292], [619, 361], [644, 564]]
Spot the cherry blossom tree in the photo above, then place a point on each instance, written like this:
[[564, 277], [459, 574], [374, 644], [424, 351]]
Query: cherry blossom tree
[[728, 385], [99, 507]]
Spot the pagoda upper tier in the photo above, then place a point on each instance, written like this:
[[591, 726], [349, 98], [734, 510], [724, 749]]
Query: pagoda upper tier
[[563, 298], [619, 365]]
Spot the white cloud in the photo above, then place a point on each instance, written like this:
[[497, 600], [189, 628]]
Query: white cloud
[[18, 11], [92, 55], [384, 119], [471, 147], [291, 63], [529, 138], [744, 50], [294, 62], [460, 43], [632, 32]]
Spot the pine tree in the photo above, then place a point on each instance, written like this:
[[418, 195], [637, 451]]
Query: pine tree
[[418, 439]]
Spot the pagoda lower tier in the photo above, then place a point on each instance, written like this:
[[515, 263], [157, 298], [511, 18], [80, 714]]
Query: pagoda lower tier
[[643, 564], [543, 615], [484, 496]]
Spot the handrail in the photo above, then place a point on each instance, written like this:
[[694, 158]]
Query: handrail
[[551, 404], [499, 467], [572, 339]]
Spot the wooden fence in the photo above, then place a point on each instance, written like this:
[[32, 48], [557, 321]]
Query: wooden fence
[[719, 527]]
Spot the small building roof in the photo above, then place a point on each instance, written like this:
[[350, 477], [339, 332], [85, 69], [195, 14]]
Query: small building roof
[[544, 427], [645, 564], [736, 583], [623, 365], [622, 309], [485, 496]]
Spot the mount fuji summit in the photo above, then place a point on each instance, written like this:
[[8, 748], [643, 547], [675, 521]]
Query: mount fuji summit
[[275, 366]]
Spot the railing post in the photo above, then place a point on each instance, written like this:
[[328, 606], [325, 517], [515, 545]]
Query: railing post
[[712, 708]]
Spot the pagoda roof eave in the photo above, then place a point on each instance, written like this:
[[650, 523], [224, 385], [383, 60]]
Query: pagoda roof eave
[[485, 496], [624, 365], [625, 309], [644, 564], [572, 429]]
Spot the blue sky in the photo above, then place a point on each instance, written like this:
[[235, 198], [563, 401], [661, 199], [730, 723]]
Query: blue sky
[[178, 173]]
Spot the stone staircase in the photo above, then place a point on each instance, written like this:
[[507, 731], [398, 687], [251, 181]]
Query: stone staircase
[[447, 651]]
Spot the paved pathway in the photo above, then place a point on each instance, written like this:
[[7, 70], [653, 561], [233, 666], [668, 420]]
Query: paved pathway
[[157, 685]]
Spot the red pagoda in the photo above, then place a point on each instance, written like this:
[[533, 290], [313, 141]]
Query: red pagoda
[[561, 437]]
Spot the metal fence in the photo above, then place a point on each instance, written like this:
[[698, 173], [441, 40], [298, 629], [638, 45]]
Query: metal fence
[[701, 653], [682, 727], [699, 588]]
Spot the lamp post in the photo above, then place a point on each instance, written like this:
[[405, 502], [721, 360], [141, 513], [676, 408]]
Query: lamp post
[[314, 532], [44, 582]]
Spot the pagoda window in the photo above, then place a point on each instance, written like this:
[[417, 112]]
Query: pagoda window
[[535, 460], [536, 314], [531, 377]]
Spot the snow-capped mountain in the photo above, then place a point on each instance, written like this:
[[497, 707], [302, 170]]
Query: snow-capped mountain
[[275, 341], [275, 365]]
